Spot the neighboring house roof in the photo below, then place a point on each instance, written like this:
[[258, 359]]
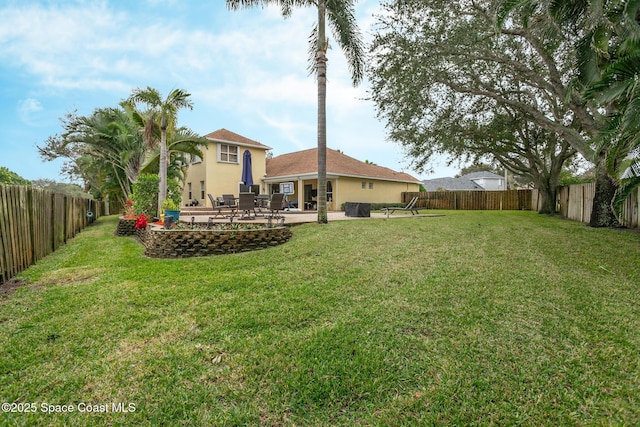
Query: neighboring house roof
[[465, 182], [479, 175], [305, 162], [224, 135], [450, 184]]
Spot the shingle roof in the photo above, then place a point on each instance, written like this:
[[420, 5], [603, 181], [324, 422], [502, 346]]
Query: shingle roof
[[465, 182], [481, 174], [306, 162], [228, 136], [461, 183]]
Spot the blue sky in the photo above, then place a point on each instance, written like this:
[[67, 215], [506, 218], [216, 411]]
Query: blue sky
[[246, 71]]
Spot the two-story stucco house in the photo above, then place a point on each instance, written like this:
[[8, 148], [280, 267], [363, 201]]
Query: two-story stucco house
[[348, 179], [220, 170]]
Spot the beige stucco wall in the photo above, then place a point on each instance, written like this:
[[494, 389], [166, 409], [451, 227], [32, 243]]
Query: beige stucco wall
[[221, 177], [350, 190], [194, 175], [347, 189]]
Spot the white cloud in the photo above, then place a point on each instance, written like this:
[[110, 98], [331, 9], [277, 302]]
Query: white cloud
[[27, 108], [246, 69], [57, 44], [290, 129]]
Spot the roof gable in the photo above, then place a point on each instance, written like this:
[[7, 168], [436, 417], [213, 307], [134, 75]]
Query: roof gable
[[306, 162], [224, 135]]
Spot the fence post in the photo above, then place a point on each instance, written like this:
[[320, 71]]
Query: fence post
[[52, 221], [65, 230]]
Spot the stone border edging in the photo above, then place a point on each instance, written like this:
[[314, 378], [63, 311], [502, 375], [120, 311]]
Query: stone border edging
[[161, 243]]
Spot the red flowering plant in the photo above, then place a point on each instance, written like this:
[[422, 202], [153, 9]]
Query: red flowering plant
[[142, 220]]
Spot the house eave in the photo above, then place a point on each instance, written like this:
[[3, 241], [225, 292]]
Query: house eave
[[330, 175], [240, 144], [296, 177], [404, 181]]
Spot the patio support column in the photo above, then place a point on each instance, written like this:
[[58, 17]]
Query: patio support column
[[336, 193], [301, 194]]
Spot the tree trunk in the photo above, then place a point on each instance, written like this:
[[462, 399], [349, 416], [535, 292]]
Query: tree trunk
[[548, 185], [162, 169], [602, 214], [547, 200], [321, 59]]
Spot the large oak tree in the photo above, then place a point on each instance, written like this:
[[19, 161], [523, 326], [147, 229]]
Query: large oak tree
[[448, 79]]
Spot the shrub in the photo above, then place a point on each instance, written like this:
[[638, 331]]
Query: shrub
[[170, 205], [145, 194], [174, 193]]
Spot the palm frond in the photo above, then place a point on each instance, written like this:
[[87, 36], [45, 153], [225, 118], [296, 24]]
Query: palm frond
[[625, 188], [286, 6], [149, 96], [507, 7], [618, 80], [344, 27], [312, 51], [178, 99], [568, 10]]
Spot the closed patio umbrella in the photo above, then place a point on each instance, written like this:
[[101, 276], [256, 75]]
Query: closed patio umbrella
[[247, 175]]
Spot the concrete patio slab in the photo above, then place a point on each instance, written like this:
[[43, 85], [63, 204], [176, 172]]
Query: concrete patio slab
[[297, 217]]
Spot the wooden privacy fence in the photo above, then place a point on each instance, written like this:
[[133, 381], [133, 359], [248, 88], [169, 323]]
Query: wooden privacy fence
[[34, 223], [575, 202], [472, 200]]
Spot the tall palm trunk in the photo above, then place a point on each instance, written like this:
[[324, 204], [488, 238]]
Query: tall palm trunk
[[343, 23], [321, 60], [162, 167]]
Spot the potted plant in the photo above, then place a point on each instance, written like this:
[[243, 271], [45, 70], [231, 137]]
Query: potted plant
[[171, 208]]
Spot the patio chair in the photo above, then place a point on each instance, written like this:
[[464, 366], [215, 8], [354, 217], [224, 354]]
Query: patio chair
[[410, 207], [246, 204], [275, 205], [262, 201], [230, 203], [217, 207]]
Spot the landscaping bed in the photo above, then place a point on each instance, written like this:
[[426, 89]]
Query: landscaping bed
[[126, 226], [187, 241]]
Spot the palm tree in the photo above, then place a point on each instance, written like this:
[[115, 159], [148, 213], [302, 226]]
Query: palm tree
[[342, 21], [107, 150], [182, 143], [165, 111], [103, 148]]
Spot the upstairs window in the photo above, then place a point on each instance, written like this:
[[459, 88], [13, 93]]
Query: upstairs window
[[228, 153]]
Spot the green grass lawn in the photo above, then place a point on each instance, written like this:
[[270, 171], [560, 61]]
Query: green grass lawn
[[472, 318]]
